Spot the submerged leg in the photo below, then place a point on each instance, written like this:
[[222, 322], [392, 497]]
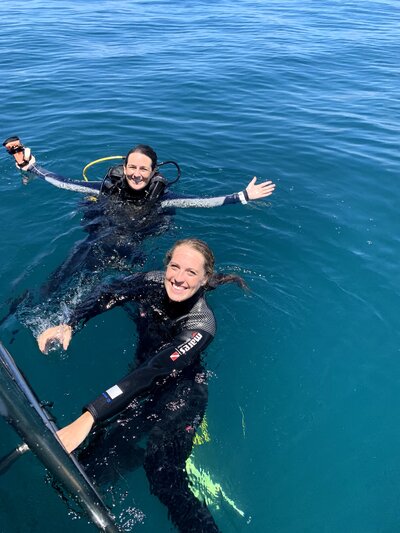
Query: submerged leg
[[169, 446]]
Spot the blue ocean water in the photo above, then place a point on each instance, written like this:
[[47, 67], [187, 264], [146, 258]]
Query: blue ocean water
[[304, 396]]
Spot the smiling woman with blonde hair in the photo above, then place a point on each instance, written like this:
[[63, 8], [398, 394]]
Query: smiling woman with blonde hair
[[165, 396]]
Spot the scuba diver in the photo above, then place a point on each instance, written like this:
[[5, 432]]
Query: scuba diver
[[163, 400]]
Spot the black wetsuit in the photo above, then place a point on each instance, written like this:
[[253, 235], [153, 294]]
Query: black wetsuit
[[162, 401]]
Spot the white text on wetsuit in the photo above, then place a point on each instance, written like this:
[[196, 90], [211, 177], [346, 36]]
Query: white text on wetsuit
[[186, 346]]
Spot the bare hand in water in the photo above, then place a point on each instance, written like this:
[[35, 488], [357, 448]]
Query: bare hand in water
[[61, 334], [261, 190]]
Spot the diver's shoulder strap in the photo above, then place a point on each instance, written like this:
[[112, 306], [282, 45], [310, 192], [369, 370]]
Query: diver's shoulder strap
[[112, 179], [157, 187]]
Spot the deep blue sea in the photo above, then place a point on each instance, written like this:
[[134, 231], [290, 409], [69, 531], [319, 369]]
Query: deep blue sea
[[304, 397]]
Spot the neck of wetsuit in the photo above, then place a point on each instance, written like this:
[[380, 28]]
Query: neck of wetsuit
[[176, 309]]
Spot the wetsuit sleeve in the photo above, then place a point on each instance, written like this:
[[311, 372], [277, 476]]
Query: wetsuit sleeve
[[92, 187], [171, 200], [105, 298], [176, 356]]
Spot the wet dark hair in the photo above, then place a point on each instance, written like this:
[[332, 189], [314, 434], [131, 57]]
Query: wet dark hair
[[144, 149], [213, 279]]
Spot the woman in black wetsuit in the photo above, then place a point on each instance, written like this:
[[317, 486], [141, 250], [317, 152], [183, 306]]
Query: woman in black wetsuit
[[165, 396]]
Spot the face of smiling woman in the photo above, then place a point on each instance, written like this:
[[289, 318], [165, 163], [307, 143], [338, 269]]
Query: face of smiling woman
[[185, 273], [138, 170]]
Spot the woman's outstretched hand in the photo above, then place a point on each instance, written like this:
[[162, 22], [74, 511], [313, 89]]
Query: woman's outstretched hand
[[25, 160], [75, 433], [61, 334], [22, 155], [266, 188]]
